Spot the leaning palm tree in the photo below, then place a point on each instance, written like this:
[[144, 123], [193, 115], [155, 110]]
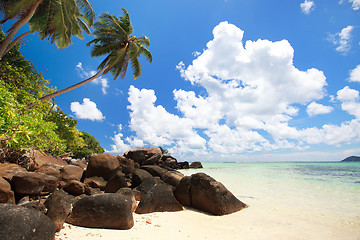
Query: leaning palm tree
[[113, 37], [57, 20]]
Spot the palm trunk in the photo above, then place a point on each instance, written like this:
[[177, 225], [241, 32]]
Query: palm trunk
[[15, 41], [68, 89], [4, 45]]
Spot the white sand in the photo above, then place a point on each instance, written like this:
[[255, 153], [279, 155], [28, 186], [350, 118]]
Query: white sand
[[250, 223]]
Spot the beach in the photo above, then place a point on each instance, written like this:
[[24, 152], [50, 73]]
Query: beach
[[286, 201]]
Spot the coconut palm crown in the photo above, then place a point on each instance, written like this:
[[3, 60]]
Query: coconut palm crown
[[113, 37], [57, 20]]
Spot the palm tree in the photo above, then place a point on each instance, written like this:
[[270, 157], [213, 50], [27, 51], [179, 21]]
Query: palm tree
[[113, 37], [57, 20]]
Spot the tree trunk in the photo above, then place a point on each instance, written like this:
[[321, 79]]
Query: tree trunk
[[68, 89], [30, 13], [15, 41]]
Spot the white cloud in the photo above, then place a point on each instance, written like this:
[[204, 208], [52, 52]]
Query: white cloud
[[98, 81], [316, 109], [355, 4], [342, 39], [86, 110], [355, 74], [252, 93], [350, 101], [307, 6]]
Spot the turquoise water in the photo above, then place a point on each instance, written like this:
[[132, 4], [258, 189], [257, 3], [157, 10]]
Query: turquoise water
[[329, 192]]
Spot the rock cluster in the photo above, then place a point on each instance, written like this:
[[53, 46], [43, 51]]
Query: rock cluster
[[103, 192]]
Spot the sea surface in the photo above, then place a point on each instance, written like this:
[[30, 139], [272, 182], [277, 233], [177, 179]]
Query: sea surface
[[325, 193]]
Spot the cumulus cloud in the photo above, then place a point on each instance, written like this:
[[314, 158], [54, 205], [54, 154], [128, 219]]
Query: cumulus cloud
[[350, 101], [307, 6], [342, 39], [103, 82], [316, 109], [253, 91], [355, 74], [86, 110]]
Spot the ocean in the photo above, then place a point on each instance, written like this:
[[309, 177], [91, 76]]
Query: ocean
[[326, 193]]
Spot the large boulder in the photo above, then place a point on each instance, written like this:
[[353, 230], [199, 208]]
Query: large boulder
[[37, 159], [74, 187], [102, 165], [196, 165], [108, 210], [144, 156], [182, 191], [51, 182], [51, 169], [142, 180], [129, 193], [6, 194], [171, 177], [18, 222], [211, 196], [8, 170], [71, 172], [28, 183], [158, 199], [59, 205], [96, 182], [116, 182]]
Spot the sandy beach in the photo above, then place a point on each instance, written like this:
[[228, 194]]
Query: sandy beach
[[284, 204], [250, 223]]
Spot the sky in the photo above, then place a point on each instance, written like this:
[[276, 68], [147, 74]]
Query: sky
[[231, 80]]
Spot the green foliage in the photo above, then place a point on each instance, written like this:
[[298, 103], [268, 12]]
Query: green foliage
[[46, 128], [164, 150], [91, 146]]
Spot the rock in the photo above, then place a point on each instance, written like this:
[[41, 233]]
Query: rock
[[71, 172], [143, 180], [51, 169], [8, 170], [6, 194], [183, 165], [158, 199], [59, 205], [28, 183], [109, 210], [169, 162], [17, 222], [182, 191], [116, 182], [91, 191], [144, 156], [34, 205], [37, 159], [172, 177], [96, 182], [51, 182], [74, 187], [129, 193], [196, 165], [79, 163], [127, 165], [102, 165], [211, 196]]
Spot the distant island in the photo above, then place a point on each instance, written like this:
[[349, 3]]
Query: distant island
[[351, 159]]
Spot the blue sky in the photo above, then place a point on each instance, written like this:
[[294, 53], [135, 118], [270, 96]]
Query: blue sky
[[231, 80]]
